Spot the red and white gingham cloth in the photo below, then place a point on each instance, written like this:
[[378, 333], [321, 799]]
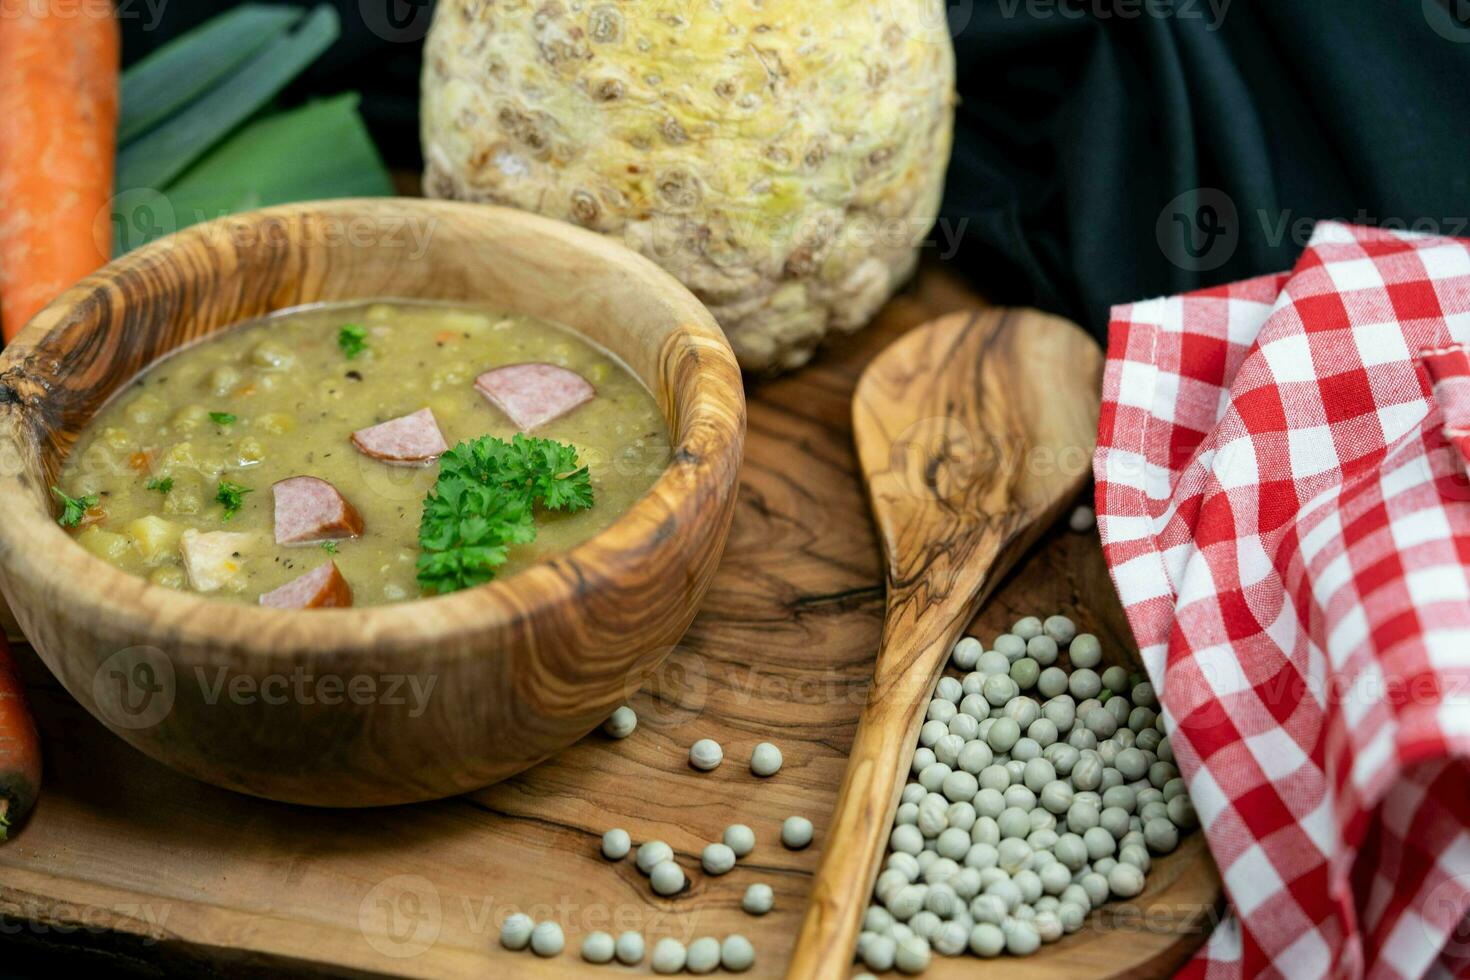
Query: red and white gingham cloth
[[1284, 503]]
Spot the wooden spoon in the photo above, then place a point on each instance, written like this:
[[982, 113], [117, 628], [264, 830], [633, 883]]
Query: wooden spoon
[[974, 432]]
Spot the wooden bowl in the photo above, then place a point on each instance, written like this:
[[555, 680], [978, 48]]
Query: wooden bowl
[[387, 704]]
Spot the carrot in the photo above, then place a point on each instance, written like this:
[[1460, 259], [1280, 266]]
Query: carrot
[[20, 747], [59, 62]]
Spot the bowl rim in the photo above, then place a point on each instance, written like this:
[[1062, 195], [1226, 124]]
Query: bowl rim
[[705, 462]]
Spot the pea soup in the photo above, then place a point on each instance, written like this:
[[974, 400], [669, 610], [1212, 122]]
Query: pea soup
[[287, 461]]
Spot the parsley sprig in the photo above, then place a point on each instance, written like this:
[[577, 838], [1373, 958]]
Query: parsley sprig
[[73, 509], [352, 338], [163, 486], [222, 418], [484, 502], [231, 496]]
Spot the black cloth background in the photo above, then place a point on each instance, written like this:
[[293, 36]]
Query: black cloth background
[[1109, 150]]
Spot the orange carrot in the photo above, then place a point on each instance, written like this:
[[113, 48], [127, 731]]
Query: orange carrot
[[59, 63], [20, 747]]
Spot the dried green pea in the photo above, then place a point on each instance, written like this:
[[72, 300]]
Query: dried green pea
[[515, 931], [652, 854], [629, 948], [547, 939], [1085, 651], [717, 859], [1025, 672], [669, 956], [1043, 650], [706, 754], [739, 838], [765, 759], [796, 832], [667, 878], [615, 844], [621, 723], [598, 947], [758, 899], [703, 955], [737, 954]]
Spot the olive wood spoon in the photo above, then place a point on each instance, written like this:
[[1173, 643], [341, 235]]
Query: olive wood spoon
[[973, 431]]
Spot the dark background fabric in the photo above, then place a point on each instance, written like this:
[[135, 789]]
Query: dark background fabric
[[1108, 150]]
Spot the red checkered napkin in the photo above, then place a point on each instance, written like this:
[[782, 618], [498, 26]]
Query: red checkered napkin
[[1283, 498]]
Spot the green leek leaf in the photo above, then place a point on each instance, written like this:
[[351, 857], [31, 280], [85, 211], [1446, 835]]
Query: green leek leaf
[[163, 153], [319, 150], [187, 67]]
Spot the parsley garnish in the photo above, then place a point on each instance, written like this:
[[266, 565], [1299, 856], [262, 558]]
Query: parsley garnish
[[162, 486], [73, 510], [330, 547], [232, 496], [222, 418], [484, 502], [352, 338]]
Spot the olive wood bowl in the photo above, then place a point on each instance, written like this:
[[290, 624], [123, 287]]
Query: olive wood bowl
[[385, 704]]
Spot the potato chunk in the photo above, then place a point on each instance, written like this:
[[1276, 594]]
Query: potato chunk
[[154, 538], [215, 560]]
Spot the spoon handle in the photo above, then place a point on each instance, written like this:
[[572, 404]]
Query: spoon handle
[[852, 848]]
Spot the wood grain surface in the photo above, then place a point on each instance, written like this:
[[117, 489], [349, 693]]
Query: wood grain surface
[[128, 864]]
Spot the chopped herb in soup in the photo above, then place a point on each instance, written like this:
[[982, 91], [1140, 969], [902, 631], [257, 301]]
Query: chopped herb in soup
[[356, 455]]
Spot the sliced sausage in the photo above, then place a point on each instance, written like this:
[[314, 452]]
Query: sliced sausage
[[214, 560], [534, 394], [411, 440], [309, 509], [321, 588]]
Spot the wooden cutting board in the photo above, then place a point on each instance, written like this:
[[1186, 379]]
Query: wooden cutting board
[[128, 865]]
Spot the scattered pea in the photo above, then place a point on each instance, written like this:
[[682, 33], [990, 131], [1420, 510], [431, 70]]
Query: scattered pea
[[740, 839], [703, 955], [706, 754], [796, 832], [629, 949], [765, 760], [515, 932], [667, 878], [547, 939], [737, 954], [620, 723], [598, 947], [669, 956], [615, 844], [717, 859], [652, 854], [758, 899]]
